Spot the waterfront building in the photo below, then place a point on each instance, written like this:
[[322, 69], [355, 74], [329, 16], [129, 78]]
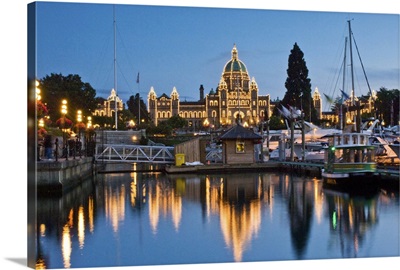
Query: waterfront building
[[236, 97], [238, 146], [108, 107], [316, 97]]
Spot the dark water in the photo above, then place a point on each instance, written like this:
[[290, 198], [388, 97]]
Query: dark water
[[134, 219]]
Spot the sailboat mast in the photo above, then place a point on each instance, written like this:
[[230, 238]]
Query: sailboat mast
[[351, 63], [344, 83], [115, 71]]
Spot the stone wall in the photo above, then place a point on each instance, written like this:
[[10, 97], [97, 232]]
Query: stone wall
[[55, 177]]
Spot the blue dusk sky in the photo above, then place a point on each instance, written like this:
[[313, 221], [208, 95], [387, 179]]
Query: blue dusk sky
[[185, 47]]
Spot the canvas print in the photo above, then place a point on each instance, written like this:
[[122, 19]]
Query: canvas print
[[177, 135]]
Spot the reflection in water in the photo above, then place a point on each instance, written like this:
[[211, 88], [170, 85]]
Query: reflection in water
[[66, 246], [244, 211], [81, 227], [240, 212], [164, 201], [114, 200], [351, 219], [300, 210]]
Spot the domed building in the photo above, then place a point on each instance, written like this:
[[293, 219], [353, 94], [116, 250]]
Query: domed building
[[236, 99]]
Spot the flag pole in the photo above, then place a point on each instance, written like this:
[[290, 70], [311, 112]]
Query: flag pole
[[137, 81]]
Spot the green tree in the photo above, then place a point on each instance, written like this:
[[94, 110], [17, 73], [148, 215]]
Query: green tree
[[298, 85], [177, 122], [387, 106], [79, 95], [133, 107]]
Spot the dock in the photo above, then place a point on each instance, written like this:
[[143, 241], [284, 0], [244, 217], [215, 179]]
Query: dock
[[384, 172], [278, 166]]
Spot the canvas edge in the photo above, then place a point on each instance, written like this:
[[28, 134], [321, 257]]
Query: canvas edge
[[32, 140]]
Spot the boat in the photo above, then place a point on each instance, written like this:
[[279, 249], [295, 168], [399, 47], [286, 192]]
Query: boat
[[349, 161], [395, 148], [316, 156], [313, 150]]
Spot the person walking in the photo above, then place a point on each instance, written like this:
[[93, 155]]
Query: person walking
[[48, 147]]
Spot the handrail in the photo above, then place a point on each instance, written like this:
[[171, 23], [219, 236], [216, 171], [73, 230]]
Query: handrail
[[134, 153]]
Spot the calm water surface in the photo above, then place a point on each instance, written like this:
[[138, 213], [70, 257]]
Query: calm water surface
[[132, 219]]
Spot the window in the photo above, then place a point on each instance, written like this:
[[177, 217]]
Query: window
[[239, 146]]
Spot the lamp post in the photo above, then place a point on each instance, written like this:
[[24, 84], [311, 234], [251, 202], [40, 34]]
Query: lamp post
[[64, 111], [38, 97], [89, 124], [79, 124]]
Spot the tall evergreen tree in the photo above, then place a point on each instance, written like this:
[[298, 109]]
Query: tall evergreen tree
[[298, 85]]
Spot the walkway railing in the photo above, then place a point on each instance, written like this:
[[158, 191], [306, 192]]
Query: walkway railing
[[134, 153], [214, 155]]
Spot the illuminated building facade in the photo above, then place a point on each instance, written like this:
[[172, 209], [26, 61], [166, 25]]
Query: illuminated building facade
[[108, 107], [236, 97]]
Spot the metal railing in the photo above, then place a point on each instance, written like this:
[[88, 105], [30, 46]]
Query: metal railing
[[214, 155], [134, 153]]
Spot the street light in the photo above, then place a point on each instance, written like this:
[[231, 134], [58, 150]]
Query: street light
[[38, 96], [41, 123], [89, 124], [64, 111]]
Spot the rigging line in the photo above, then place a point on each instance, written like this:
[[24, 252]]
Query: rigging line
[[124, 46], [126, 81], [362, 65], [338, 63], [337, 75]]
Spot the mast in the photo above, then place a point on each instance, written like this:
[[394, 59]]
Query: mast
[[115, 71], [137, 81], [351, 63], [343, 86]]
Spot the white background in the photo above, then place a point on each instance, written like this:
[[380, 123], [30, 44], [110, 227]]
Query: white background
[[13, 129]]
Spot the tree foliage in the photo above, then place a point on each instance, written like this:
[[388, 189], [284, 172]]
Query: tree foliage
[[177, 122], [387, 106], [133, 107], [298, 85], [79, 95]]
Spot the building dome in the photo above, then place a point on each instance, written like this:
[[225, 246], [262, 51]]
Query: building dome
[[235, 73], [235, 65]]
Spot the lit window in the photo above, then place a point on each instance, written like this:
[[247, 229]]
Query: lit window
[[239, 146]]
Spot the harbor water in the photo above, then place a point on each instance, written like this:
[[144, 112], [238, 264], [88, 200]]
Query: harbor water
[[150, 218]]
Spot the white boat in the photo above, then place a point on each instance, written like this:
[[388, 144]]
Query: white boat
[[385, 153], [395, 148], [309, 147], [315, 156]]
